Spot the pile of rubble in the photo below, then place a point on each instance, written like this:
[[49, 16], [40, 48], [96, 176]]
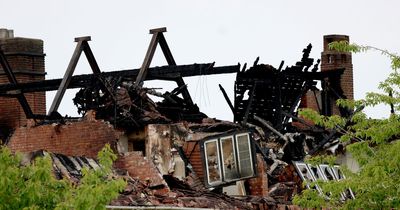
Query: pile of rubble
[[172, 154]]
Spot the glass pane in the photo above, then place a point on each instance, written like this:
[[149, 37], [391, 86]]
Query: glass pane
[[244, 155], [228, 158], [213, 165]]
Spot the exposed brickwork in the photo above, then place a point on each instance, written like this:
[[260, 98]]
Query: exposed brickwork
[[311, 100], [140, 167], [84, 138], [331, 60], [26, 59], [193, 153], [259, 185]]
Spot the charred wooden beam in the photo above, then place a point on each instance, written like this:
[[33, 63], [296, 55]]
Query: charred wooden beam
[[81, 81], [149, 56], [250, 102], [171, 61], [13, 80], [227, 98], [68, 74], [82, 45]]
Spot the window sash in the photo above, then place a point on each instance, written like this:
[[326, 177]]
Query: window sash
[[211, 180], [230, 169], [243, 156]]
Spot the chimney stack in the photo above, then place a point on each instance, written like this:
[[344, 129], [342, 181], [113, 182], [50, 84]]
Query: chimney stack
[[26, 58], [332, 60]]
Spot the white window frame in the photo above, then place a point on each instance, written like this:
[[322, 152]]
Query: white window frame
[[333, 171], [220, 155], [299, 165], [218, 159], [232, 137], [238, 153], [337, 173], [325, 166]]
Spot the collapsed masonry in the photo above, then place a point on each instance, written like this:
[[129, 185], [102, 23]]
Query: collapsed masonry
[[171, 153]]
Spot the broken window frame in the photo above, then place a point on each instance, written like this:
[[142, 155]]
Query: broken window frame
[[326, 168], [333, 171], [219, 139], [348, 194], [299, 165]]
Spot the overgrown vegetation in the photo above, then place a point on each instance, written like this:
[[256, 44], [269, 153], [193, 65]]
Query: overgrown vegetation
[[33, 186], [374, 144]]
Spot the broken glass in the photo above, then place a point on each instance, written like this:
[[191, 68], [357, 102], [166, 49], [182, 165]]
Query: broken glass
[[228, 158], [212, 161]]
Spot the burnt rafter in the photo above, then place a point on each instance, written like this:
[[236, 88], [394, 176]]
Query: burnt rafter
[[82, 46], [82, 81], [158, 38], [267, 92]]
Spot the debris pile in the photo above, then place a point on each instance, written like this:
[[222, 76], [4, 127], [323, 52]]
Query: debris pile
[[172, 154]]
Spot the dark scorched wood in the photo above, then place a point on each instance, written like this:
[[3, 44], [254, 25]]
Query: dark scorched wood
[[81, 81]]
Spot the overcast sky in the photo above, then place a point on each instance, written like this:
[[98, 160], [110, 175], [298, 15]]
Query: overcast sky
[[224, 31]]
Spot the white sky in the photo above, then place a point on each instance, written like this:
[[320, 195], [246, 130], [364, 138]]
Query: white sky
[[224, 31]]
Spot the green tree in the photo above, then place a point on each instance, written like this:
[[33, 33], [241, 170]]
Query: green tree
[[374, 143], [33, 186]]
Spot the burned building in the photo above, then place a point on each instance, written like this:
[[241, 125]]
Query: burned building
[[170, 150]]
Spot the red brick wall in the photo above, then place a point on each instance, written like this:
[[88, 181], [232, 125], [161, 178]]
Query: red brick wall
[[259, 185], [84, 138], [141, 168], [193, 153], [331, 60], [26, 59]]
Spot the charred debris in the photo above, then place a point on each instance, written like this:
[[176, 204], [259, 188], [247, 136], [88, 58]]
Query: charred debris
[[255, 152]]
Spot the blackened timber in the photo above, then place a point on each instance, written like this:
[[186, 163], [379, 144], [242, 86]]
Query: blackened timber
[[161, 72], [13, 80], [147, 59], [171, 61], [67, 76], [250, 103], [227, 98]]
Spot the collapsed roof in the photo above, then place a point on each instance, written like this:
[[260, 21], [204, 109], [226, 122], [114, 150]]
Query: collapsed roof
[[262, 137]]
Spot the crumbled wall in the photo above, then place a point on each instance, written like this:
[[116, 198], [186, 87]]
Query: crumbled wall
[[84, 138], [139, 167], [162, 141]]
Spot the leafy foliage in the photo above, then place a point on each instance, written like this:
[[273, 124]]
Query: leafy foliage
[[345, 46], [321, 159], [33, 186], [375, 146]]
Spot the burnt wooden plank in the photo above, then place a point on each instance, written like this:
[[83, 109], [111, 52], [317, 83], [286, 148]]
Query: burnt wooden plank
[[81, 81]]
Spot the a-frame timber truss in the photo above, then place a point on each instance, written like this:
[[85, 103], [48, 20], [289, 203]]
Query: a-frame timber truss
[[247, 79]]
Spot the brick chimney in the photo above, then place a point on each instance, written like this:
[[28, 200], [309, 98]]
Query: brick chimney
[[332, 60], [26, 59]]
